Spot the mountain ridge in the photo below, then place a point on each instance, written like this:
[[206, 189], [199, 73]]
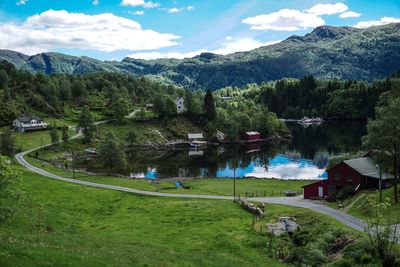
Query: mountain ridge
[[326, 52]]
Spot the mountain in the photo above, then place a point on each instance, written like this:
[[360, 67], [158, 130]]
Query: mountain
[[326, 52]]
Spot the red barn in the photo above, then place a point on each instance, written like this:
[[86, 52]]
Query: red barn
[[359, 173], [252, 136]]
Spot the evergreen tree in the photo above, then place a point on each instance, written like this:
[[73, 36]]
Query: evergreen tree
[[65, 134], [7, 144], [54, 136], [209, 106], [111, 154], [384, 133], [120, 109], [86, 124], [170, 107], [131, 137]]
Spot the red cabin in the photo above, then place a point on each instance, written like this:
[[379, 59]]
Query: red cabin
[[359, 173], [252, 136]]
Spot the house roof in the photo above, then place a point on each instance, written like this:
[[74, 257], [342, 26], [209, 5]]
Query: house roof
[[28, 119], [252, 133], [195, 136], [366, 166]]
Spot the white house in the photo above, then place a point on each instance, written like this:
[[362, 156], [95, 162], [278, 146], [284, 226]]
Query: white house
[[180, 105], [23, 124]]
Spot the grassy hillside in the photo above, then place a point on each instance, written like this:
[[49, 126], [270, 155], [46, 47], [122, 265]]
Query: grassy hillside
[[68, 225], [60, 224]]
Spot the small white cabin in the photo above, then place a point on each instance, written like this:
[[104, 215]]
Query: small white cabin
[[180, 105], [23, 124]]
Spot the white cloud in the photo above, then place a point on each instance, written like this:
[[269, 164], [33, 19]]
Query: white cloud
[[61, 29], [174, 10], [229, 47], [21, 2], [350, 14], [95, 2], [190, 8], [138, 13], [382, 21], [142, 3], [327, 9], [284, 20]]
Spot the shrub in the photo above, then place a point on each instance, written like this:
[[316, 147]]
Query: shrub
[[345, 193]]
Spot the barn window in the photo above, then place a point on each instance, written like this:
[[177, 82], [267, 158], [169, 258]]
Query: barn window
[[336, 176], [349, 178]]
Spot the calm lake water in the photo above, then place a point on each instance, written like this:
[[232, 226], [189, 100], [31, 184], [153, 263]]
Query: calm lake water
[[305, 157]]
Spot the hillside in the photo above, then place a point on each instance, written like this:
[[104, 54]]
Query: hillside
[[326, 52]]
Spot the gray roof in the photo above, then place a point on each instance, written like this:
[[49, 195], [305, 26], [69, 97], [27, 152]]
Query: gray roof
[[28, 119], [366, 167], [195, 136]]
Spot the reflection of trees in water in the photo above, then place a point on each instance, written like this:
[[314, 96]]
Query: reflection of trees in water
[[313, 143], [333, 137], [168, 163]]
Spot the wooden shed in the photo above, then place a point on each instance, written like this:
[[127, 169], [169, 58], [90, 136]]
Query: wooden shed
[[252, 136]]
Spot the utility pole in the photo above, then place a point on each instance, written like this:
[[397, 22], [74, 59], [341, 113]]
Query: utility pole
[[380, 184], [234, 184], [73, 163]]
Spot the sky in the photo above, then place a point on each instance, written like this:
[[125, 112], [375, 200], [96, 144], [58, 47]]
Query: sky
[[115, 29]]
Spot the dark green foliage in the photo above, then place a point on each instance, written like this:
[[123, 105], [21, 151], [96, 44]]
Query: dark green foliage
[[345, 193], [86, 124], [7, 144], [327, 52], [9, 191], [384, 133], [120, 109], [65, 134], [54, 136], [111, 154], [131, 137], [209, 106]]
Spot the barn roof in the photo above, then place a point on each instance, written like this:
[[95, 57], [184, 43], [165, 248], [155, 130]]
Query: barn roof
[[28, 119], [252, 133], [366, 166]]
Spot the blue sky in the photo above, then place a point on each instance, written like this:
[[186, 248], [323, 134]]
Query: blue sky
[[114, 29]]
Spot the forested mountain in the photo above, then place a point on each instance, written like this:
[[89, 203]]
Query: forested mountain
[[327, 52]]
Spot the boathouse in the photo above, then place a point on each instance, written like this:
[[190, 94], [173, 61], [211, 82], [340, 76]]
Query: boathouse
[[360, 173], [252, 136]]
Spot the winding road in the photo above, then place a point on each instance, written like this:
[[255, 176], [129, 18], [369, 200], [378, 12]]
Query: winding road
[[338, 215]]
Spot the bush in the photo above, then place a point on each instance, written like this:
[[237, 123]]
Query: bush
[[345, 193], [314, 257]]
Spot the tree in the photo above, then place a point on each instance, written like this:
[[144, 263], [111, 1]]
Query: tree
[[7, 144], [209, 106], [170, 107], [131, 137], [111, 154], [9, 192], [86, 124], [120, 109], [65, 134], [54, 136], [381, 230], [384, 134]]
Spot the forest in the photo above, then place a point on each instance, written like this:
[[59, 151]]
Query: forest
[[330, 99], [115, 95]]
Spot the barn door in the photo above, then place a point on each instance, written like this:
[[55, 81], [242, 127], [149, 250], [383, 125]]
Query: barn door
[[320, 192]]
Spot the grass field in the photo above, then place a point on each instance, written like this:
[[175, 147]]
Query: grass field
[[60, 224], [253, 187]]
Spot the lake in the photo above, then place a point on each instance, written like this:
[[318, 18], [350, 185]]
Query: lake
[[305, 157]]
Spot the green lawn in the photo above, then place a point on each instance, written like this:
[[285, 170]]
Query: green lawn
[[361, 210], [29, 140], [61, 224], [253, 187]]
